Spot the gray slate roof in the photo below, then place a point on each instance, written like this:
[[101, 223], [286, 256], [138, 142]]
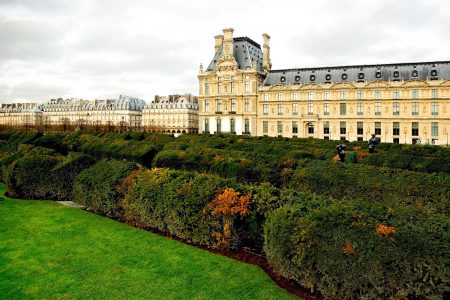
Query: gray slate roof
[[245, 51], [362, 73]]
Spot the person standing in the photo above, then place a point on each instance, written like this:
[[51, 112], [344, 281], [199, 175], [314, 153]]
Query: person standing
[[341, 152], [373, 141]]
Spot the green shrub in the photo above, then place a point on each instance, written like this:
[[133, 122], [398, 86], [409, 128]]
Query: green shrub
[[361, 250]]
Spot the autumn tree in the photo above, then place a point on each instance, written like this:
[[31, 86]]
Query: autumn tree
[[229, 204]]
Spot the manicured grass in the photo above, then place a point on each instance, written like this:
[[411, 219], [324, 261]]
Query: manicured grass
[[48, 250]]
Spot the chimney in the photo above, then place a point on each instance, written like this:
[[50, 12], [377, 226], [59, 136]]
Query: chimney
[[267, 64], [218, 42], [228, 41]]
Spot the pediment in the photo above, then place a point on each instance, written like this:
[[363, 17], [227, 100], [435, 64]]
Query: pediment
[[311, 86], [445, 83], [343, 85], [415, 83], [378, 84]]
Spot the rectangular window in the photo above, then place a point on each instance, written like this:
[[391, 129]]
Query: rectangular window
[[266, 97], [219, 105], [294, 127], [247, 86], [326, 96], [295, 109], [343, 128], [206, 88], [378, 128], [415, 108], [265, 126], [415, 128], [434, 108], [310, 96], [279, 127], [359, 128], [233, 105], [310, 108], [359, 108], [434, 129], [310, 128], [295, 96], [280, 96], [434, 94], [219, 126], [326, 127], [396, 128], [219, 87], [377, 95], [265, 109], [360, 95], [343, 95], [206, 105], [415, 94], [343, 109], [377, 108], [396, 108], [396, 95], [233, 87], [280, 109], [326, 109], [246, 104]]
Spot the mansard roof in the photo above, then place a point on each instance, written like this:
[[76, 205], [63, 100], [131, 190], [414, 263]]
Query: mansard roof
[[438, 70], [245, 50]]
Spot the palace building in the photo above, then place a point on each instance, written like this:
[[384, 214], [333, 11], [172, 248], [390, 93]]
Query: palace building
[[400, 103], [20, 114]]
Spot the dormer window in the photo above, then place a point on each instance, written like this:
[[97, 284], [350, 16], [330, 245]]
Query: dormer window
[[378, 74], [282, 79], [434, 73], [328, 77], [312, 78], [396, 74], [297, 78], [415, 73], [360, 75], [344, 76]]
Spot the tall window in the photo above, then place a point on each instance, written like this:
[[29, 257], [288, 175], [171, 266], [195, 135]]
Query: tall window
[[377, 94], [415, 128], [232, 126], [415, 94], [233, 104], [295, 109], [343, 95], [206, 105], [396, 94], [310, 128], [219, 105], [326, 96], [378, 128], [396, 108], [265, 126], [247, 86], [295, 96], [326, 127], [206, 88], [360, 95], [434, 108], [310, 96], [247, 126], [326, 109], [265, 109], [266, 97], [280, 96], [233, 87], [434, 94], [396, 128], [219, 88], [343, 128], [279, 127], [415, 108], [310, 108], [219, 125], [280, 109], [343, 109], [359, 108], [377, 108], [246, 104], [294, 127], [206, 125], [434, 128], [359, 128]]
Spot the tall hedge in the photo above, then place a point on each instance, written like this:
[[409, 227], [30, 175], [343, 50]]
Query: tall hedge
[[361, 250]]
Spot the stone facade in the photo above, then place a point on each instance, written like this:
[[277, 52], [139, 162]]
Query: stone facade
[[173, 114], [20, 114], [400, 103]]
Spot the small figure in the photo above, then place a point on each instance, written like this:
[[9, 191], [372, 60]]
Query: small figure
[[418, 142], [372, 143], [341, 152]]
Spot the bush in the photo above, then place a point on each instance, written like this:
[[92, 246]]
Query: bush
[[98, 186], [361, 250]]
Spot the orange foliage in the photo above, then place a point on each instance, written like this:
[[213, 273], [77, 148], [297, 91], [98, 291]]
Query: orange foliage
[[229, 203], [361, 155], [385, 230], [348, 249], [336, 158], [356, 148]]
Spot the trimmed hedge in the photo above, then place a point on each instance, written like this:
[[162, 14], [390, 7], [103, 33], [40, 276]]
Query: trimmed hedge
[[361, 250]]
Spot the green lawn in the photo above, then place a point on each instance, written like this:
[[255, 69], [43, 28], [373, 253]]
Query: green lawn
[[48, 250]]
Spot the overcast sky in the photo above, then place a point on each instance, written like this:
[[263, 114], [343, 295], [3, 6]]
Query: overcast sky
[[100, 49]]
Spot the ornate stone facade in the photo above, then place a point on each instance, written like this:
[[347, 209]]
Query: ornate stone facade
[[400, 103], [173, 114]]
